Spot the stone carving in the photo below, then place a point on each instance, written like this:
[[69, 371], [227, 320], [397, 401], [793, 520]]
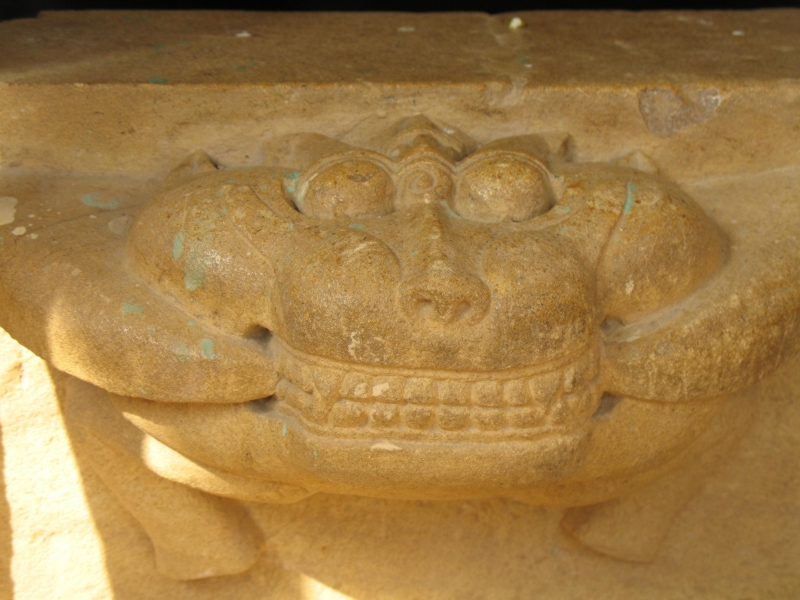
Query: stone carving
[[429, 318]]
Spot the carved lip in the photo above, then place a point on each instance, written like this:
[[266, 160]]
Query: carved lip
[[347, 400]]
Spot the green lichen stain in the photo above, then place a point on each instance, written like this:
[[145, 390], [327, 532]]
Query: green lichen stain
[[159, 80], [190, 323], [177, 245], [630, 196], [182, 352], [523, 60], [194, 277], [562, 209], [150, 330], [93, 199], [292, 177], [129, 308], [195, 274], [449, 210], [143, 392], [207, 349], [358, 226], [184, 44], [241, 68], [283, 432]]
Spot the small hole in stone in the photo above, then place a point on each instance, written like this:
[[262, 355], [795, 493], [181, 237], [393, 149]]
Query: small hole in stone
[[261, 406], [608, 402], [260, 335], [425, 309], [610, 326]]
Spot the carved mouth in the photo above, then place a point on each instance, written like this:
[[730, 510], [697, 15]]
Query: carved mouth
[[346, 400]]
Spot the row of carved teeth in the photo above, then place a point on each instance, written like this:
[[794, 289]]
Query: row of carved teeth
[[380, 417], [333, 384]]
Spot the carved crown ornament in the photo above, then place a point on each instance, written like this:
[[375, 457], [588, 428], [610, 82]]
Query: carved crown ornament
[[428, 317]]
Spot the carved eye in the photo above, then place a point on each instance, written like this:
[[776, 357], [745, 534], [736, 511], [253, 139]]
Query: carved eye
[[502, 188], [351, 188]]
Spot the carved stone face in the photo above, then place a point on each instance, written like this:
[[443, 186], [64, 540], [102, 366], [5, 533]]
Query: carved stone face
[[433, 290]]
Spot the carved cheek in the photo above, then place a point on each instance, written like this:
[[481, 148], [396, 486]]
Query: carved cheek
[[663, 248], [336, 290], [544, 293]]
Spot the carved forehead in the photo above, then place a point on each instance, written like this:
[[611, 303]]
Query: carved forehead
[[418, 133]]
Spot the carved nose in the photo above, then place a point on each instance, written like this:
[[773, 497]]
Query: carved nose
[[443, 295]]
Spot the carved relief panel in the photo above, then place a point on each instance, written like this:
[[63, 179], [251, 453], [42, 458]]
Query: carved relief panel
[[425, 318]]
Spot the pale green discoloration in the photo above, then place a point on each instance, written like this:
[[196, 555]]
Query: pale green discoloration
[[182, 352], [191, 323], [630, 197], [283, 432], [128, 308], [195, 274], [194, 277], [93, 199], [292, 177], [150, 330], [207, 349], [449, 210], [159, 80], [358, 226], [177, 245]]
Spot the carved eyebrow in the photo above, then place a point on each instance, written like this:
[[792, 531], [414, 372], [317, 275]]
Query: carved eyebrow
[[281, 209], [483, 155]]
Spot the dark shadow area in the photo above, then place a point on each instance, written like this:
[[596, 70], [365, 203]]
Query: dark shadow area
[[30, 9]]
